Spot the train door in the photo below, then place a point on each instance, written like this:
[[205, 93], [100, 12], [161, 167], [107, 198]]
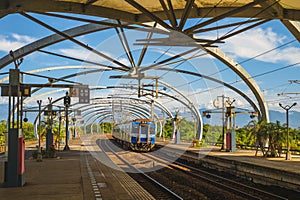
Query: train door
[[152, 133], [135, 132]]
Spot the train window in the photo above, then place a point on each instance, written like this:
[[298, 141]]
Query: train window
[[135, 128], [144, 129], [152, 130]]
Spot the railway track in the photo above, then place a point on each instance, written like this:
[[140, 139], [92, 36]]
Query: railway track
[[189, 182], [234, 187], [155, 188], [229, 185]]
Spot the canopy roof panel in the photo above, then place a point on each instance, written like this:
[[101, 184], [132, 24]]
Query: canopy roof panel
[[155, 5], [133, 11]]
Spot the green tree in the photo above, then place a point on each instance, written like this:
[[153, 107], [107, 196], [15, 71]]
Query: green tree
[[187, 129], [212, 134], [3, 126], [58, 134], [294, 138], [28, 131], [275, 138], [168, 129], [243, 137]]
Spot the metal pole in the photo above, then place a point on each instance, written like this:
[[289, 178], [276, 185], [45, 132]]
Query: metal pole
[[39, 156], [13, 114], [288, 154], [49, 134], [152, 110], [67, 148], [67, 102], [21, 113], [9, 111], [59, 127], [74, 123], [223, 124], [287, 108]]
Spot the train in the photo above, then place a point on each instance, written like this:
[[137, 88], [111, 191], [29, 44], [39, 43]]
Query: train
[[137, 135]]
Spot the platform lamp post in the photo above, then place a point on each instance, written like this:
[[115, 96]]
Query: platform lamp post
[[223, 107], [49, 134], [67, 102], [59, 124], [287, 108], [39, 155]]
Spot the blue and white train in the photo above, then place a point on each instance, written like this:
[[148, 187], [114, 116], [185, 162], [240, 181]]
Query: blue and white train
[[138, 135]]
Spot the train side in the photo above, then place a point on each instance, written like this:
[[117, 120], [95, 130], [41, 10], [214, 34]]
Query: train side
[[139, 135]]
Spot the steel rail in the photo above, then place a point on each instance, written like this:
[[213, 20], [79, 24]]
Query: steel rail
[[175, 196]]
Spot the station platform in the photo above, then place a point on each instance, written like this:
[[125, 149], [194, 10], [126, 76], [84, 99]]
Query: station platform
[[259, 169], [77, 175], [73, 175], [244, 156]]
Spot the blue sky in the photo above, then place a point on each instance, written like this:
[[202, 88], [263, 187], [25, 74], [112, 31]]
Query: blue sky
[[16, 31]]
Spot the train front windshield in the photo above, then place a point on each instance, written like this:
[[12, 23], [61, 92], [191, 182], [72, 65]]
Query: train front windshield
[[144, 129], [135, 128]]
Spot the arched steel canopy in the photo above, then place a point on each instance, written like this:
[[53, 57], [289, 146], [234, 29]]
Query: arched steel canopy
[[170, 14], [85, 29]]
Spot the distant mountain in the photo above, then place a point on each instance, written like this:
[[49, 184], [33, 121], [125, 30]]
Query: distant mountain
[[294, 118]]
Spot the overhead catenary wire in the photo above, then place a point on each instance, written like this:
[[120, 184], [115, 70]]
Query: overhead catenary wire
[[217, 4], [246, 60], [263, 10], [264, 73], [253, 56], [249, 59]]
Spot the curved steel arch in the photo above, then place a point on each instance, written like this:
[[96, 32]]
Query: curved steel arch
[[220, 82], [104, 113], [140, 110], [181, 94], [281, 13], [140, 113], [49, 40], [131, 109], [192, 107], [167, 69], [133, 87], [182, 71], [214, 52], [163, 108], [104, 116], [199, 132], [241, 72], [157, 104]]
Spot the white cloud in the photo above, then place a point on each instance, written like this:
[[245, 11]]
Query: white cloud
[[23, 38], [89, 56], [80, 53], [256, 41], [14, 41]]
